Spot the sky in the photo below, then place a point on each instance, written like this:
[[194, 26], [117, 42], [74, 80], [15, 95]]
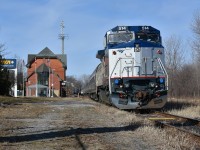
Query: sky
[[28, 26]]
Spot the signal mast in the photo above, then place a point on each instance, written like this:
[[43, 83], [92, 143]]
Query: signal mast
[[62, 35]]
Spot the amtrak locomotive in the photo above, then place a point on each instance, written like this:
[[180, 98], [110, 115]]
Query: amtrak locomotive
[[131, 74]]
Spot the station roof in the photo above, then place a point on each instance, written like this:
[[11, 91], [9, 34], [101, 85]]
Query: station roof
[[43, 68], [48, 54]]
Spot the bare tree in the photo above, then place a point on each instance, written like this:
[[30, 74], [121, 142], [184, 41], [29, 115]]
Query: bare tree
[[84, 79], [2, 49], [174, 61], [20, 72], [195, 27], [73, 85], [174, 53], [188, 82], [5, 82]]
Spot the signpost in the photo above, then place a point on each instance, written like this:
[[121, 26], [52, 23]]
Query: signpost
[[11, 64]]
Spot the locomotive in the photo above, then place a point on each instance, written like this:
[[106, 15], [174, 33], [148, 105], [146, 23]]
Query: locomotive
[[131, 73]]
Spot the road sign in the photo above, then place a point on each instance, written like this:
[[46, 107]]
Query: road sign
[[9, 63]]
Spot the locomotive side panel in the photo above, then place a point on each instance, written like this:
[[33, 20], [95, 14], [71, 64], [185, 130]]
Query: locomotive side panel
[[100, 75]]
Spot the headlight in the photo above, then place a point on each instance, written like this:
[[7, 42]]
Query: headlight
[[162, 80], [116, 81], [152, 84], [126, 85]]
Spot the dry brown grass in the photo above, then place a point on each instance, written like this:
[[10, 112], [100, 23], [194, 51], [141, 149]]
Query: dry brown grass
[[185, 107], [124, 116], [16, 100], [160, 138], [192, 112], [164, 140]]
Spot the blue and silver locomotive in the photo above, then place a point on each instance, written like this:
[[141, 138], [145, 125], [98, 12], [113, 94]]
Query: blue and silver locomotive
[[132, 73]]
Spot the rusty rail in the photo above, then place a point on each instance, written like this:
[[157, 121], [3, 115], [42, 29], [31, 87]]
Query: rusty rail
[[183, 124]]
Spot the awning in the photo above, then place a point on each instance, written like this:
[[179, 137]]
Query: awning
[[38, 86]]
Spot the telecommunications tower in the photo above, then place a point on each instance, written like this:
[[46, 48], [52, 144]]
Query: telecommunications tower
[[62, 35]]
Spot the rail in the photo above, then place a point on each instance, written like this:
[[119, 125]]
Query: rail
[[183, 124]]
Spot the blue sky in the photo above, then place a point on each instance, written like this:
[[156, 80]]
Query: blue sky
[[28, 26]]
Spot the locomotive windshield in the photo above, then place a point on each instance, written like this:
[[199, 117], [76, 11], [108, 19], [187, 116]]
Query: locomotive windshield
[[126, 37], [150, 37], [120, 37]]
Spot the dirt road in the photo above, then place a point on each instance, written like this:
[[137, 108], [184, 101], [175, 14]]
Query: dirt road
[[73, 124]]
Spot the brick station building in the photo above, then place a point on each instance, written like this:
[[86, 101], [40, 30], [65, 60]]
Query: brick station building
[[46, 74]]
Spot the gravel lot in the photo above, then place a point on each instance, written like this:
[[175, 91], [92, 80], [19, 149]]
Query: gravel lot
[[78, 124]]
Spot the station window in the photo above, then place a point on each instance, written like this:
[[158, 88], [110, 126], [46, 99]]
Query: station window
[[43, 78]]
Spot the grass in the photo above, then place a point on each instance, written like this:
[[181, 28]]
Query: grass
[[184, 107], [192, 112], [164, 140], [156, 137], [14, 100]]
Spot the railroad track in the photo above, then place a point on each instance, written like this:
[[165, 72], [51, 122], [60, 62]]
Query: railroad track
[[183, 124]]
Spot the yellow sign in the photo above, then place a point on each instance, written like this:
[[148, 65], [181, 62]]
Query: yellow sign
[[8, 63], [5, 62]]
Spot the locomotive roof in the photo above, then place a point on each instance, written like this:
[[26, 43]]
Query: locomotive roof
[[135, 29]]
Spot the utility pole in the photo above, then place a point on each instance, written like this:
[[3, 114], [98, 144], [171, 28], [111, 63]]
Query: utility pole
[[23, 76], [36, 79], [62, 35], [52, 82], [49, 78]]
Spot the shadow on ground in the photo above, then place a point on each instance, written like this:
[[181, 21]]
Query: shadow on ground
[[66, 133], [171, 105]]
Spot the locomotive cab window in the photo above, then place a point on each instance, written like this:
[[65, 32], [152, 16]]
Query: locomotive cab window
[[150, 37], [141, 36], [120, 37]]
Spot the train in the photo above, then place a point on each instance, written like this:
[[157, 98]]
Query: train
[[131, 73]]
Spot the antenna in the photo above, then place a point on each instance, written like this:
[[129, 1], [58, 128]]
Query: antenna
[[62, 35]]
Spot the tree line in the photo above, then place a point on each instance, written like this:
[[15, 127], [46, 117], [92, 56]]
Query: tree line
[[184, 77], [5, 79]]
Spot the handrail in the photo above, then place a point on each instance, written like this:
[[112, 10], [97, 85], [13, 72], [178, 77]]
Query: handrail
[[164, 70], [115, 66], [114, 69], [120, 67]]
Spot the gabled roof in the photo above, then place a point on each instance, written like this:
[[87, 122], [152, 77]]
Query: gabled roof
[[43, 68], [63, 58], [47, 53]]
